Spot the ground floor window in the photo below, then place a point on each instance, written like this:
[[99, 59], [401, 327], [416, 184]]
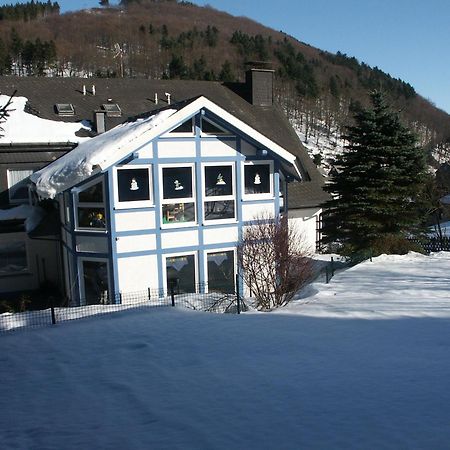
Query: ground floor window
[[221, 271], [180, 272], [13, 258], [96, 282]]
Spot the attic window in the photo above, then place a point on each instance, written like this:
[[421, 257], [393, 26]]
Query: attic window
[[211, 128], [112, 109], [65, 109], [185, 127]]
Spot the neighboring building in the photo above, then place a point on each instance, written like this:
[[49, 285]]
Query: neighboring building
[[164, 198]]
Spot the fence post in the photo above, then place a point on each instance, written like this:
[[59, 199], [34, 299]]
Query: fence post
[[149, 294], [332, 267], [327, 275], [238, 297], [172, 295], [52, 309]]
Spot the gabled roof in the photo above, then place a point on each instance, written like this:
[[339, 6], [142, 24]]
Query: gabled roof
[[136, 96]]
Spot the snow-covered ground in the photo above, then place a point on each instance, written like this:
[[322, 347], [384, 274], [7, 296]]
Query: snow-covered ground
[[362, 363]]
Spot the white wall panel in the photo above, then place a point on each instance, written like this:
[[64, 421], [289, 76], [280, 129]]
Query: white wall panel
[[218, 148], [135, 220], [219, 235], [146, 152], [304, 222], [171, 149], [137, 274], [251, 211], [179, 239], [140, 243]]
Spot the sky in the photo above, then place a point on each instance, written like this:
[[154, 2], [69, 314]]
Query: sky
[[409, 39]]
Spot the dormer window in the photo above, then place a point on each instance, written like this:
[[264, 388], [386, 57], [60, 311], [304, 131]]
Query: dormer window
[[65, 109], [112, 109]]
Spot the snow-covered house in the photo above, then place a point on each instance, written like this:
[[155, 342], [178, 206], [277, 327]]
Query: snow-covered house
[[162, 198]]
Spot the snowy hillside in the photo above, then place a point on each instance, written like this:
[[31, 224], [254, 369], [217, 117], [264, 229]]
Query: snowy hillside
[[359, 363]]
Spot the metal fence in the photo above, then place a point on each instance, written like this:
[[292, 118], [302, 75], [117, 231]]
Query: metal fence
[[202, 299], [434, 244]]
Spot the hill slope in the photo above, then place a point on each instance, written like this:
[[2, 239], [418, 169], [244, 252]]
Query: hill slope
[[170, 39]]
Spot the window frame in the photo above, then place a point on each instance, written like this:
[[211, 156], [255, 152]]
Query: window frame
[[263, 195], [26, 270], [223, 131], [181, 200], [175, 255], [81, 260], [212, 198], [173, 133], [11, 189], [221, 250], [133, 204], [94, 205]]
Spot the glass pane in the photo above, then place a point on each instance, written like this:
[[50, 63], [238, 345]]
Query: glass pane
[[13, 258], [133, 185], [185, 127], [257, 179], [218, 180], [219, 210], [91, 218], [18, 181], [210, 128], [181, 273], [95, 276], [179, 212], [93, 194], [177, 182], [221, 271]]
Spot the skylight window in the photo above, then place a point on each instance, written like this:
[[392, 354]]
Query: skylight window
[[65, 109], [112, 109]]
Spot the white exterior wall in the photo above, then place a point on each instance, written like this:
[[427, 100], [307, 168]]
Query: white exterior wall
[[137, 274], [305, 223]]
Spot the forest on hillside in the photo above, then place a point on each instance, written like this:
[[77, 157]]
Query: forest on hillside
[[179, 40]]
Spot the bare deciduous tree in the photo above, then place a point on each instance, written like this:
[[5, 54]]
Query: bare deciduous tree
[[5, 110], [274, 261]]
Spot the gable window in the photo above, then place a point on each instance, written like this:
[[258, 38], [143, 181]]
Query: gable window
[[219, 203], [90, 205], [211, 128], [133, 186], [18, 181], [186, 127], [13, 258], [180, 273], [178, 202], [221, 271], [258, 178]]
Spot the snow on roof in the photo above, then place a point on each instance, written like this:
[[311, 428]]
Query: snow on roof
[[22, 127], [32, 215], [96, 153]]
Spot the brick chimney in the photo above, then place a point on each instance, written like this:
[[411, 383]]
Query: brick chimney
[[260, 85]]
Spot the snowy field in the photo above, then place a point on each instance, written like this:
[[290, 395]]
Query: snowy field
[[360, 363]]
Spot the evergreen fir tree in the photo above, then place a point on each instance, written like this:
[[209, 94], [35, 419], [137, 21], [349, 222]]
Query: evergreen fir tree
[[376, 190]]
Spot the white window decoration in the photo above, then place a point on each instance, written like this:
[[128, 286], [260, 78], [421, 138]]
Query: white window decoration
[[258, 179], [133, 186], [219, 194], [221, 271], [178, 198], [18, 181]]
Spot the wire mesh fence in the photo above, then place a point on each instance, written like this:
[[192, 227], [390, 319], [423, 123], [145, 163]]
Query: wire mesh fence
[[203, 298]]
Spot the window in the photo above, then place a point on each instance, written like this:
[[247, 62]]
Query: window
[[211, 128], [133, 186], [178, 203], [221, 271], [180, 274], [258, 178], [13, 258], [18, 181], [219, 201], [185, 127], [95, 282], [112, 109], [65, 109], [91, 207]]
